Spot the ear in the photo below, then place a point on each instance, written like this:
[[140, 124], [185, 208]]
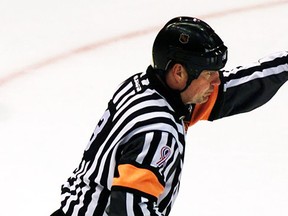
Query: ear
[[179, 73], [177, 77]]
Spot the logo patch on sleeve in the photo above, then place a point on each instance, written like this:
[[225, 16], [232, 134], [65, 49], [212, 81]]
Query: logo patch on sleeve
[[164, 156]]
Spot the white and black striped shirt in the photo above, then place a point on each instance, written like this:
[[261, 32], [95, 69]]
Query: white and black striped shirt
[[132, 164], [136, 149]]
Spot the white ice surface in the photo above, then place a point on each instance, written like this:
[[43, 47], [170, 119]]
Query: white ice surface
[[51, 98]]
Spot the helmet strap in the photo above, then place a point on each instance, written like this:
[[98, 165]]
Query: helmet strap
[[192, 74], [189, 80]]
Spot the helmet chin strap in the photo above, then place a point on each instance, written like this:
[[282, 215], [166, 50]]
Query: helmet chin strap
[[191, 76]]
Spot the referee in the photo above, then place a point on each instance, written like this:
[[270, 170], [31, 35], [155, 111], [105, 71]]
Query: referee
[[132, 164]]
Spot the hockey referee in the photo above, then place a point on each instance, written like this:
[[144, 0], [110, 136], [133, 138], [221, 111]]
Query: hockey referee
[[133, 161]]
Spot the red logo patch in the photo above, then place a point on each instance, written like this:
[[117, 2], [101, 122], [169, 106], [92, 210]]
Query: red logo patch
[[165, 154]]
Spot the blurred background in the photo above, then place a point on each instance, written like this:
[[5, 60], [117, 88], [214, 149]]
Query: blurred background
[[62, 60]]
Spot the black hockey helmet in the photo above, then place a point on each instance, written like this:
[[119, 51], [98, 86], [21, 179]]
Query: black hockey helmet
[[191, 42]]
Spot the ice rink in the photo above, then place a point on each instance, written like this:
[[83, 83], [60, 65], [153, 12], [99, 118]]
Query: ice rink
[[62, 60]]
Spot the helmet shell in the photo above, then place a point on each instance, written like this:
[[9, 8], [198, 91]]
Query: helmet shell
[[189, 41]]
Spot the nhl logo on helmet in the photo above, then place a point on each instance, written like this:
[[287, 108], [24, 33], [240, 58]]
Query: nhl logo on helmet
[[184, 38]]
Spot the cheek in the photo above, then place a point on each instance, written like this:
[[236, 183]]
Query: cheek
[[202, 87], [197, 88]]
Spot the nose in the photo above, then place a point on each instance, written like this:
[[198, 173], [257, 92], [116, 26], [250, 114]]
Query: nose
[[215, 79]]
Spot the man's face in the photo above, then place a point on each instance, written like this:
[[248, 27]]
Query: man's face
[[201, 88]]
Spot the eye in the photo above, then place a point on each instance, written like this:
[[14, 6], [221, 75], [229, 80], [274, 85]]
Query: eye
[[211, 73], [208, 74]]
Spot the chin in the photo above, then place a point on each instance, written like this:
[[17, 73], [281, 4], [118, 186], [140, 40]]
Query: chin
[[202, 100], [199, 100]]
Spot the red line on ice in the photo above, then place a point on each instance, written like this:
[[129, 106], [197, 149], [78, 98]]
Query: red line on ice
[[93, 46]]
